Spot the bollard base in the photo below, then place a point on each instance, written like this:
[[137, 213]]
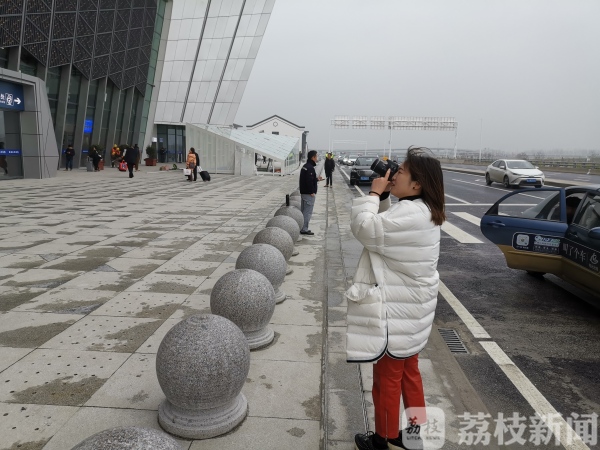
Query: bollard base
[[202, 424], [298, 240], [289, 270], [259, 339], [279, 296], [295, 252]]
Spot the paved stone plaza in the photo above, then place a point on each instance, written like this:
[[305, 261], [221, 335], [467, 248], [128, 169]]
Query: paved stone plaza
[[95, 268]]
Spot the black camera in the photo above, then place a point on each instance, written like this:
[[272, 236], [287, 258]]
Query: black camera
[[381, 167]]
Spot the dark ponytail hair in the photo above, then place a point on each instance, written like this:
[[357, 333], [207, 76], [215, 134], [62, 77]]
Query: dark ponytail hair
[[427, 170]]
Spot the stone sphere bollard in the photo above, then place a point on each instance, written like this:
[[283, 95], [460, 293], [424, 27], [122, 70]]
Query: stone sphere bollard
[[246, 297], [269, 261], [279, 239], [285, 223], [129, 438], [294, 213], [201, 365]]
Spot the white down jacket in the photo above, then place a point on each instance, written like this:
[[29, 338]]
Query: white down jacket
[[402, 247]]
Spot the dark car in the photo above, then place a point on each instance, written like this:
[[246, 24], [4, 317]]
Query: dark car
[[555, 231], [361, 171]]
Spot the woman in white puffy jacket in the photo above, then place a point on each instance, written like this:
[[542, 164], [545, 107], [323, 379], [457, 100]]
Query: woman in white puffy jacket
[[391, 304]]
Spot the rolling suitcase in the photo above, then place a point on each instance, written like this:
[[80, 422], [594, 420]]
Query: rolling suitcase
[[205, 175]]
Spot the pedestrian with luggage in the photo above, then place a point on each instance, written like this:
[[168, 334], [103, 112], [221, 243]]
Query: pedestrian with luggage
[[329, 168], [308, 189], [131, 156], [191, 163], [391, 305]]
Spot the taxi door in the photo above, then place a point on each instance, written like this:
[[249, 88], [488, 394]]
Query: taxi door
[[581, 246], [528, 227]]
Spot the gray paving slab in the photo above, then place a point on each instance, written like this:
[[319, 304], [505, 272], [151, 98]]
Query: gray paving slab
[[96, 283]]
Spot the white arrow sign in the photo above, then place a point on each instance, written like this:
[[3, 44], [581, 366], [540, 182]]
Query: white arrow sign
[[18, 101]]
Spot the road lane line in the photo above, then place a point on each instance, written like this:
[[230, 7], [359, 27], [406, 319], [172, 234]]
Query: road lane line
[[476, 330], [498, 189], [355, 187], [468, 217], [459, 235], [456, 198], [567, 437]]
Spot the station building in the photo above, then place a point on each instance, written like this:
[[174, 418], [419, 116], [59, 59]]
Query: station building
[[105, 72]]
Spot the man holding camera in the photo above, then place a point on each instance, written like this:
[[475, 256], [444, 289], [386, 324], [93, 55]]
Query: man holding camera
[[308, 189]]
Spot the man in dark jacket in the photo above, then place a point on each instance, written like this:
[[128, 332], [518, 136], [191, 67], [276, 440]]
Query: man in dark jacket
[[69, 154], [329, 168], [308, 189], [131, 158]]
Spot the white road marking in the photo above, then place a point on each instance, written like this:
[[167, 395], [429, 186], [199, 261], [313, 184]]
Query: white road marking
[[474, 327], [468, 217], [456, 198], [490, 187], [459, 235], [355, 187], [556, 424], [559, 426]]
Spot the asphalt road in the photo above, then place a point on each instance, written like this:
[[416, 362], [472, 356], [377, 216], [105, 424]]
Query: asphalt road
[[544, 326], [576, 178]]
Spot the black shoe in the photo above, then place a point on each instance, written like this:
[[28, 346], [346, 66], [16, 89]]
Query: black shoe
[[309, 233], [369, 441], [413, 442]]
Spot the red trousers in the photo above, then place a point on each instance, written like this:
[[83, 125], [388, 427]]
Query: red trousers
[[391, 378]]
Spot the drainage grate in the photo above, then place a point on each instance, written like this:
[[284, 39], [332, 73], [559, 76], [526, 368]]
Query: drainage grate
[[450, 337]]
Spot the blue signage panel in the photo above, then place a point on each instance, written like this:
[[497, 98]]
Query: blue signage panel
[[88, 126], [10, 152], [11, 96]]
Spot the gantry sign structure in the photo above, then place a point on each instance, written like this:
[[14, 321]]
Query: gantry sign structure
[[396, 123]]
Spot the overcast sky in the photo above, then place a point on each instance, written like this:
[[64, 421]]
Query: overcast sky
[[527, 70]]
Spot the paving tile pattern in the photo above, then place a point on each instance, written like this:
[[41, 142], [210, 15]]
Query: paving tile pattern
[[90, 283]]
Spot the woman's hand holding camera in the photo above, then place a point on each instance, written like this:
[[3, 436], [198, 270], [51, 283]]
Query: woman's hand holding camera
[[381, 185]]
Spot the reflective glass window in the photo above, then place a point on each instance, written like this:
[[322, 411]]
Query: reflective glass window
[[11, 161], [106, 116], [120, 116], [88, 126], [3, 58], [72, 108], [52, 87], [28, 63]]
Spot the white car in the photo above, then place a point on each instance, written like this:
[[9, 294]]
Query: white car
[[351, 160], [514, 173]]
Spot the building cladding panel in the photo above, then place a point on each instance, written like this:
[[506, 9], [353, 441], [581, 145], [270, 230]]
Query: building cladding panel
[[210, 50], [99, 37]]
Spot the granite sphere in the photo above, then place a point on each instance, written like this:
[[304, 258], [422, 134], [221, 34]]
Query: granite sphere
[[285, 223], [129, 438], [269, 261], [247, 298], [278, 238], [201, 365], [292, 212]]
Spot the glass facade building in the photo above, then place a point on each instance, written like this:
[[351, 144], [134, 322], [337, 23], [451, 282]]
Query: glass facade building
[[206, 57], [131, 71], [95, 58]]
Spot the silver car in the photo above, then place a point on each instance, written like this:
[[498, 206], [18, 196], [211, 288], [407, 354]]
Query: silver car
[[514, 173]]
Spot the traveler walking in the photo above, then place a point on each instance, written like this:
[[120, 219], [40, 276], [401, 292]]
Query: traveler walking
[[329, 168], [69, 155], [392, 302], [95, 156], [308, 189], [131, 157], [192, 160]]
